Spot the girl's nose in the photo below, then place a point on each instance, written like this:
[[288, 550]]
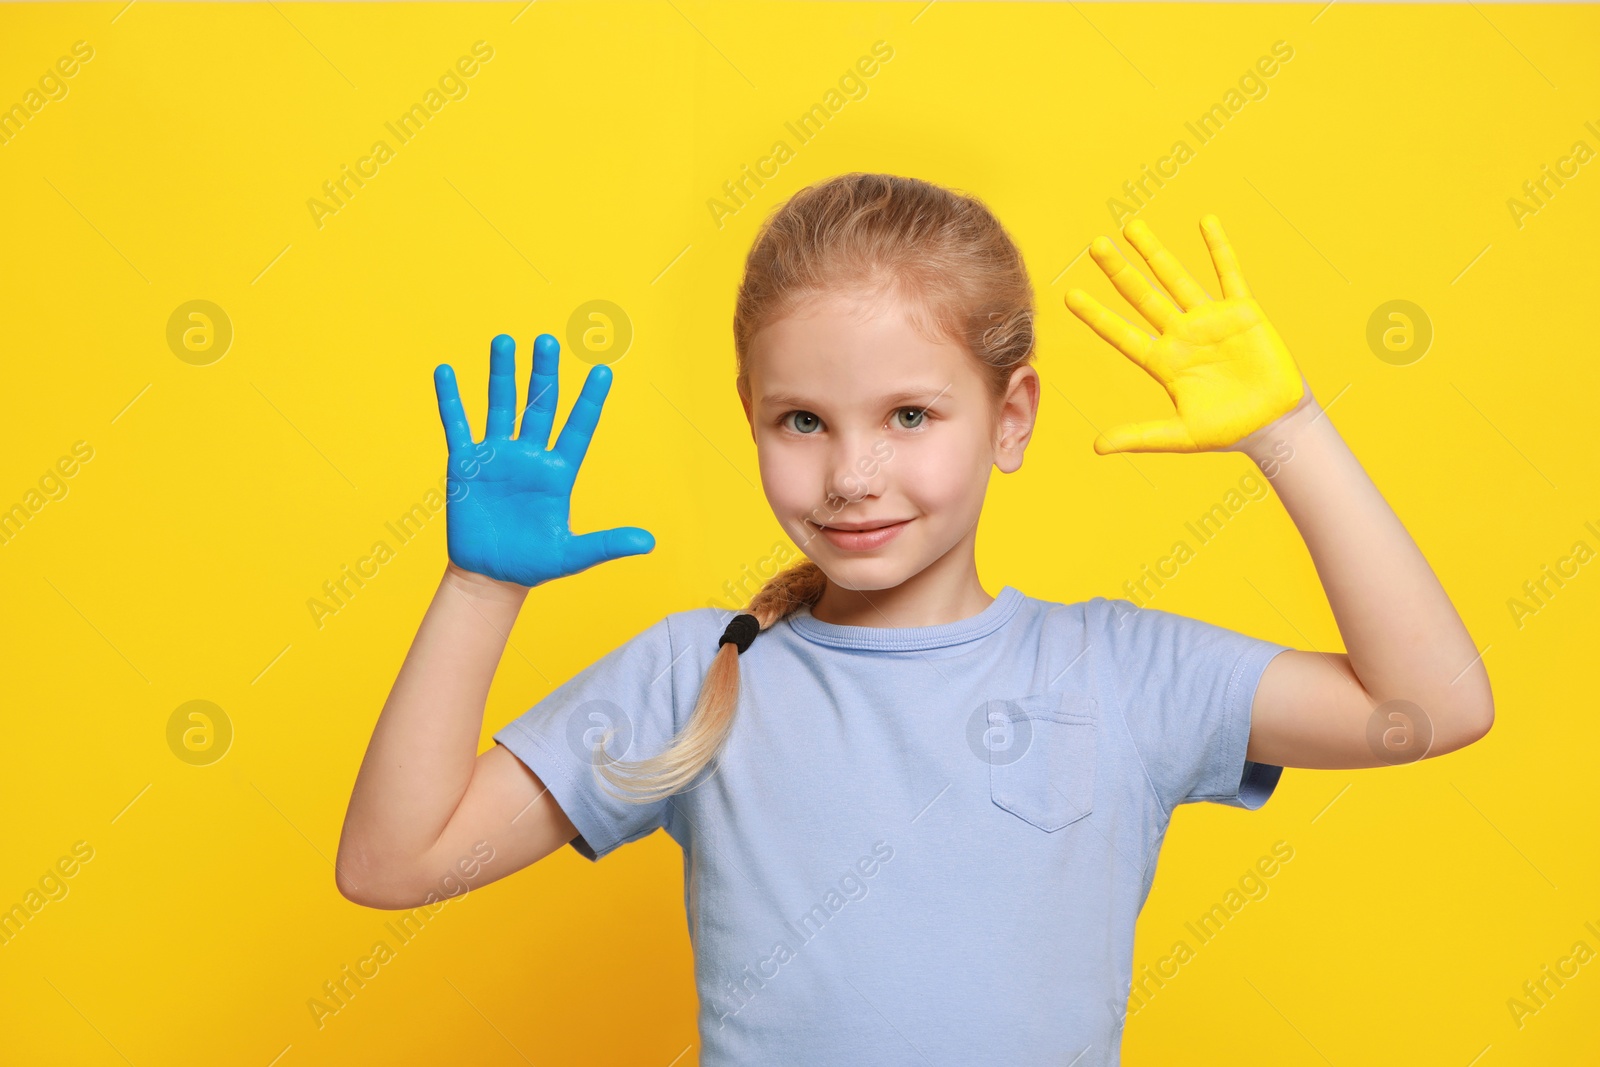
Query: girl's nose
[[852, 473]]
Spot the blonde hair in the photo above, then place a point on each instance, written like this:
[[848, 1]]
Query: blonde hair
[[962, 278]]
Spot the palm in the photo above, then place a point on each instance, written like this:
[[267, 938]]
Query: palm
[[518, 489], [1225, 368], [510, 498]]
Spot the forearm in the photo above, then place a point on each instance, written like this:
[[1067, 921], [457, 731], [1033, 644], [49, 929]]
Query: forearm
[[424, 747], [1403, 636]]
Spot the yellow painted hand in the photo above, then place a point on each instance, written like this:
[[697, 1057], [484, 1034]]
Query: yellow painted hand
[[1224, 366]]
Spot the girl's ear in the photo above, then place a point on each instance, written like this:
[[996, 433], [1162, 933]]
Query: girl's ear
[[1018, 410]]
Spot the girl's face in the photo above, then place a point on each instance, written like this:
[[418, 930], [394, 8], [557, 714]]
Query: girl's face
[[861, 422]]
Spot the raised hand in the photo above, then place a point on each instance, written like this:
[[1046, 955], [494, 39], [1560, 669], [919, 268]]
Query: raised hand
[[1224, 366], [509, 499]]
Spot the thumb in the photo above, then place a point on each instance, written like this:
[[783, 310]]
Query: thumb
[[587, 550], [1156, 435]]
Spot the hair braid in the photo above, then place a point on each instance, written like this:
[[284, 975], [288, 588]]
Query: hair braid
[[647, 780]]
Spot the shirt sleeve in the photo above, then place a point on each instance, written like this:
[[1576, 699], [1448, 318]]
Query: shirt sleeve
[[629, 690], [1187, 687]]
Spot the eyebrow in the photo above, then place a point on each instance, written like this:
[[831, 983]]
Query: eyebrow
[[923, 394]]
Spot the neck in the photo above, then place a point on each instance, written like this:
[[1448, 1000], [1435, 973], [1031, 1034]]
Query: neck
[[928, 598]]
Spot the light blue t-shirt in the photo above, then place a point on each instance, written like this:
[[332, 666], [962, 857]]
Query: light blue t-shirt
[[921, 845]]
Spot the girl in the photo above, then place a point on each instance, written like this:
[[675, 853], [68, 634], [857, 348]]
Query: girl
[[918, 821]]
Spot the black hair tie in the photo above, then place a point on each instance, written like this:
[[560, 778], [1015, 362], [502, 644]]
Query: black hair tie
[[741, 631]]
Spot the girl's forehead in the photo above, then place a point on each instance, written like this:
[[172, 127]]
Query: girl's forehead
[[886, 376], [882, 304], [848, 348], [860, 330]]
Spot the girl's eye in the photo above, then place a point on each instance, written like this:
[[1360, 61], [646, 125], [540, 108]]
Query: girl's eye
[[920, 413], [805, 423]]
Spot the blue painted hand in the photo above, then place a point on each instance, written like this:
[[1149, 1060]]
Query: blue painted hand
[[509, 498]]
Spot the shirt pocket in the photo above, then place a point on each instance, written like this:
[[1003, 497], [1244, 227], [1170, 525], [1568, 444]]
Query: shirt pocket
[[1041, 750]]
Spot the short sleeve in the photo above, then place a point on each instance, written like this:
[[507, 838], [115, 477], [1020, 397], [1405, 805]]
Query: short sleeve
[[629, 689], [1187, 687]]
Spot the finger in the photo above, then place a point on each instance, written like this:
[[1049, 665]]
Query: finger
[[540, 413], [1169, 272], [1154, 305], [1122, 334], [1157, 435], [573, 443], [457, 434], [502, 387], [1222, 256], [587, 550]]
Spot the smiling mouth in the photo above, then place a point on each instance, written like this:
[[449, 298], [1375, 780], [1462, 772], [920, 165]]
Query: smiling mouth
[[863, 538], [857, 527]]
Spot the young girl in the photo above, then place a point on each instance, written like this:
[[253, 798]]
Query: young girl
[[918, 821]]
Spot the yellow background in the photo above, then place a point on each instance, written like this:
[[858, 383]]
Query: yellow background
[[579, 166]]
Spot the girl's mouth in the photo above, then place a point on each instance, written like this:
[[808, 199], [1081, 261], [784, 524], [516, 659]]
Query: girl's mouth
[[861, 540]]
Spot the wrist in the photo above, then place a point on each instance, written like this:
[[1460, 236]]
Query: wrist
[[481, 586], [1269, 441]]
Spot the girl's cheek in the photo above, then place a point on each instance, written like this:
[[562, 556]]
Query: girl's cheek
[[937, 479], [781, 463], [786, 478], [934, 467]]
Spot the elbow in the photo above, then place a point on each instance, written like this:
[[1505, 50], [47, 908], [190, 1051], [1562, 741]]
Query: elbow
[[359, 882], [1473, 718], [349, 886], [351, 883], [370, 895], [1480, 714], [1469, 727], [1483, 723]]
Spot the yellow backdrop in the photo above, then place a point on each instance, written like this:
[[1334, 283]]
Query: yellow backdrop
[[224, 302]]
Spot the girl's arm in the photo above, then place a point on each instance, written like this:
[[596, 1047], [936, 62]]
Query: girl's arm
[[1406, 643], [426, 811], [1413, 683], [428, 815]]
